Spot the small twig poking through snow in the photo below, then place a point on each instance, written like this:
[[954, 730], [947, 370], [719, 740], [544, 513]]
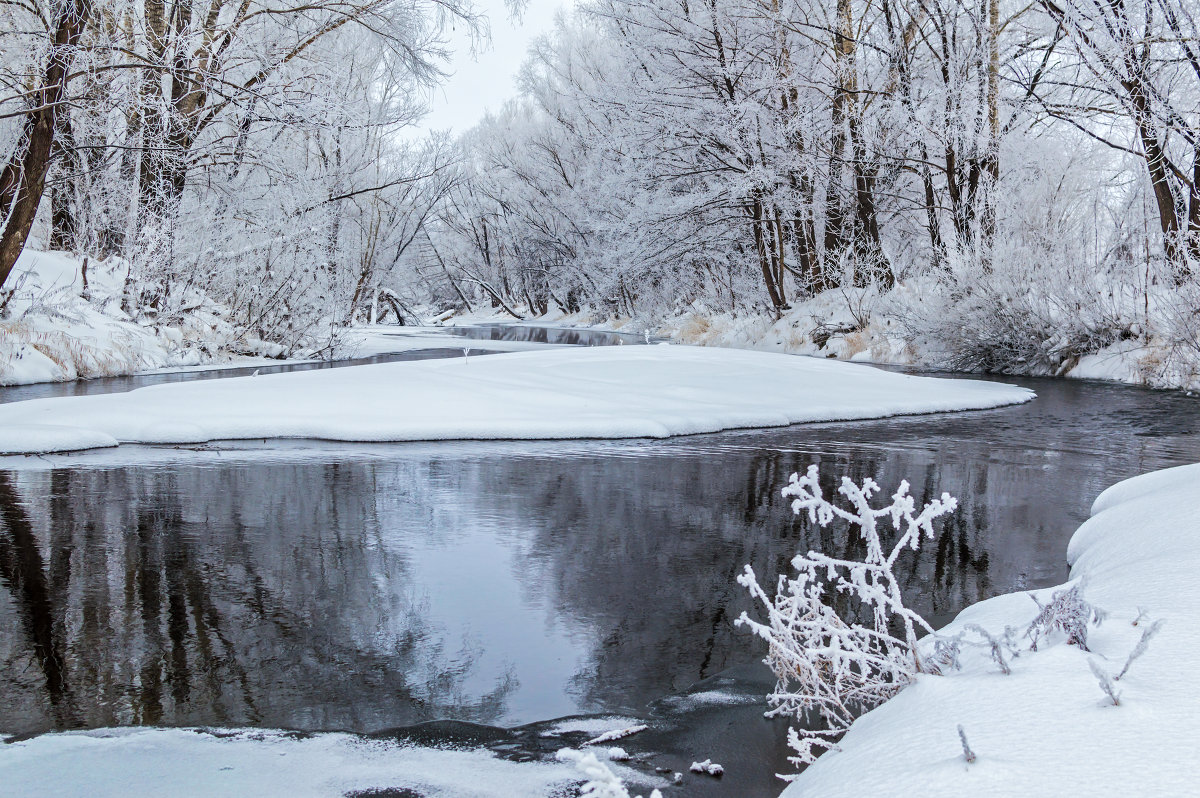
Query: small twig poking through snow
[[968, 754], [997, 644], [709, 767], [466, 354], [1106, 682], [1140, 648], [616, 734], [1142, 613]]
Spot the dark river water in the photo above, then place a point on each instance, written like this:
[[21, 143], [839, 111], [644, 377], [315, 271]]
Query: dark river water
[[314, 586]]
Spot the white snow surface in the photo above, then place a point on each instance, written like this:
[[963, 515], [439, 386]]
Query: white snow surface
[[117, 763], [600, 392], [1047, 729]]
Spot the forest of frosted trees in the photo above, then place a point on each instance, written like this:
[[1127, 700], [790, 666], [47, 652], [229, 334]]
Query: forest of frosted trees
[[995, 184]]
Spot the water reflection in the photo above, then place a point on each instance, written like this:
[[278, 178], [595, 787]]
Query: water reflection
[[217, 596], [334, 587]]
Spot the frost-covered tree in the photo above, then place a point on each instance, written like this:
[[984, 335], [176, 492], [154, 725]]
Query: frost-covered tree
[[1025, 173], [244, 156]]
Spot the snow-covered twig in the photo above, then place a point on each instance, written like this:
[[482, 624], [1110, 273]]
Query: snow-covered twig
[[1140, 648], [1106, 681], [616, 734], [1067, 612], [968, 754]]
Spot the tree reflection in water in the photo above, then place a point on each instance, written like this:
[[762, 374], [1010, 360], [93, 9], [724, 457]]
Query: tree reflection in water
[[202, 596]]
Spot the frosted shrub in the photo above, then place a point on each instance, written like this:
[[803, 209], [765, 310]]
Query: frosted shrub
[[1067, 612], [824, 664]]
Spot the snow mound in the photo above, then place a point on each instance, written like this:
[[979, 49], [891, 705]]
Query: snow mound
[[1048, 729], [602, 392], [252, 763]]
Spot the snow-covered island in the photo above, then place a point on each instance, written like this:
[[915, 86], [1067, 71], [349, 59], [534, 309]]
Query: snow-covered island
[[601, 392]]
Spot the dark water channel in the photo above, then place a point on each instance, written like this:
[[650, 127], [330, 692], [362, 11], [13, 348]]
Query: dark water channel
[[318, 587]]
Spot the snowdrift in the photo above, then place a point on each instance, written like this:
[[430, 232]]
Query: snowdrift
[[602, 392], [114, 763], [1047, 729]]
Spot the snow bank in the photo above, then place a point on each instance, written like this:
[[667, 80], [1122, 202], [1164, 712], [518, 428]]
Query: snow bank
[[52, 333], [60, 326], [184, 762], [1048, 729], [860, 325], [602, 392]]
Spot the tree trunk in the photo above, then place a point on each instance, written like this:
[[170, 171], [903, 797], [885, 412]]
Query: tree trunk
[[23, 178], [62, 216]]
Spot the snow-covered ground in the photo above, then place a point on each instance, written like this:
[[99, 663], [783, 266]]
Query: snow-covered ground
[[118, 763], [1048, 729], [370, 341], [601, 392], [53, 333]]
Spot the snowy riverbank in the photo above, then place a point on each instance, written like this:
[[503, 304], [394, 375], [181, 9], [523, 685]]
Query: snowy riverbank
[[601, 392], [1048, 729], [65, 325], [858, 325], [65, 322]]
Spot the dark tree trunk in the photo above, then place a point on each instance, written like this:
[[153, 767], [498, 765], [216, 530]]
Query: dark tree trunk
[[23, 178]]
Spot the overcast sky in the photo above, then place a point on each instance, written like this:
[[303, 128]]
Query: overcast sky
[[485, 80]]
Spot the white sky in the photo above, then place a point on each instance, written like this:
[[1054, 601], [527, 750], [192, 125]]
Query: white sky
[[486, 79]]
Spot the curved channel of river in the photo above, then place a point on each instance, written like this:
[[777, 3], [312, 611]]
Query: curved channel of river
[[316, 586]]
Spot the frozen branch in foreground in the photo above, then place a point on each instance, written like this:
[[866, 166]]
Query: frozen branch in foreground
[[823, 663], [1067, 612], [1106, 682], [1140, 648], [602, 782]]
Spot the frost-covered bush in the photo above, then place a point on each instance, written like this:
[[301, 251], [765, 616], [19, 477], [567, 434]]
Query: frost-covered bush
[[1067, 612], [827, 664], [1025, 314]]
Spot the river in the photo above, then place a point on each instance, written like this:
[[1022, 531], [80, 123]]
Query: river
[[316, 586]]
